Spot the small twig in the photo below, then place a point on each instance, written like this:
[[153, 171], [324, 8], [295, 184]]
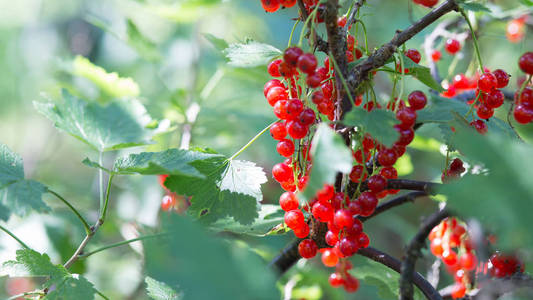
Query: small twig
[[141, 238], [351, 18], [414, 251], [383, 258], [74, 210], [383, 207], [14, 237]]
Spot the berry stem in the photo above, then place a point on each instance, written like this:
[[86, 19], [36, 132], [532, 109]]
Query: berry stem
[[251, 141], [23, 295], [101, 180], [474, 39], [83, 221], [402, 81], [306, 24], [14, 237], [141, 238], [108, 191], [292, 32], [344, 83]]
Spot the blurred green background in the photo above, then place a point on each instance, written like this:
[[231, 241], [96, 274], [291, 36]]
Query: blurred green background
[[162, 46]]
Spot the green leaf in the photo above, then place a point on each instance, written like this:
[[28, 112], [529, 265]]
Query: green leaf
[[423, 74], [62, 236], [229, 189], [250, 54], [172, 161], [473, 6], [330, 156], [527, 2], [17, 195], [383, 278], [270, 216], [218, 43], [140, 43], [379, 123], [111, 127], [92, 164], [30, 263], [160, 291], [502, 193], [109, 83], [190, 258]]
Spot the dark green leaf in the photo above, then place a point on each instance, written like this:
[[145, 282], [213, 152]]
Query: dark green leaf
[[330, 156], [500, 195], [379, 123], [17, 195], [30, 263], [160, 291], [473, 6], [527, 2], [423, 74], [205, 267], [172, 161], [250, 54], [229, 189], [93, 164], [114, 126], [270, 216]]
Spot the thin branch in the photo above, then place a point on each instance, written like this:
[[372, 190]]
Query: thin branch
[[351, 18], [383, 54], [141, 238], [320, 44], [14, 237], [74, 210], [414, 251], [383, 207], [383, 258]]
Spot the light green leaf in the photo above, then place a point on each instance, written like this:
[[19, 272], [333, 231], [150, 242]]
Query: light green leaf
[[270, 216], [172, 161], [30, 263], [160, 291], [229, 189], [379, 123], [140, 43], [423, 74], [218, 43], [92, 164], [473, 6], [17, 195], [109, 83], [527, 2], [501, 197], [190, 258], [250, 54], [111, 127], [330, 156]]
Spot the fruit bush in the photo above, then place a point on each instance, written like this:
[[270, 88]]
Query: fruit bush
[[396, 167]]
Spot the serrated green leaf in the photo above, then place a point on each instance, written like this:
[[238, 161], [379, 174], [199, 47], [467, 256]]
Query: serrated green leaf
[[190, 258], [17, 195], [527, 2], [92, 164], [171, 161], [383, 278], [109, 83], [218, 43], [502, 194], [250, 54], [269, 217], [379, 123], [160, 291], [66, 286], [473, 6], [423, 74], [111, 127], [330, 156], [229, 189]]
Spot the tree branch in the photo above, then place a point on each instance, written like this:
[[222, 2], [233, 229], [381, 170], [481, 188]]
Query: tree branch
[[414, 251], [383, 207], [383, 258]]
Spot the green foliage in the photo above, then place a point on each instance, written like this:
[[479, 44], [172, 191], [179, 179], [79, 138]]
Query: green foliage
[[330, 155], [218, 43], [383, 278], [171, 161], [473, 6], [270, 217], [111, 127], [250, 54], [204, 267], [502, 193], [378, 123], [230, 188], [110, 83], [527, 2], [423, 74], [160, 291], [30, 263], [17, 195]]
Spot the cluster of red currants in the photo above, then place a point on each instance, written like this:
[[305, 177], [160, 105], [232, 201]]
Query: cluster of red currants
[[454, 171], [172, 201], [452, 47], [503, 265], [274, 5], [461, 263], [523, 109]]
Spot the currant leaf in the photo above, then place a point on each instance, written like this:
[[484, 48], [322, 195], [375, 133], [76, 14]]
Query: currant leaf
[[378, 123], [250, 54], [160, 291]]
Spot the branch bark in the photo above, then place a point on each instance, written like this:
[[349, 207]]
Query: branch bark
[[427, 289], [414, 251]]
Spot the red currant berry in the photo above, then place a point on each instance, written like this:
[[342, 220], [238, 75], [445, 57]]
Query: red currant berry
[[278, 131], [389, 173], [161, 179], [368, 202], [348, 247], [276, 94], [270, 84], [297, 130], [414, 55], [377, 183], [270, 5], [407, 116], [302, 232], [502, 77], [494, 99], [168, 202], [523, 114], [459, 290], [406, 137], [480, 126], [358, 173], [343, 218], [526, 63], [363, 241], [487, 82], [417, 100], [313, 81], [288, 201], [335, 280], [285, 148], [273, 68], [307, 63], [331, 238], [282, 173], [527, 97], [291, 55], [294, 219], [484, 112], [329, 258], [387, 157], [468, 261], [307, 117], [294, 107], [288, 3], [323, 212], [317, 97], [436, 55], [307, 248], [452, 46]]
